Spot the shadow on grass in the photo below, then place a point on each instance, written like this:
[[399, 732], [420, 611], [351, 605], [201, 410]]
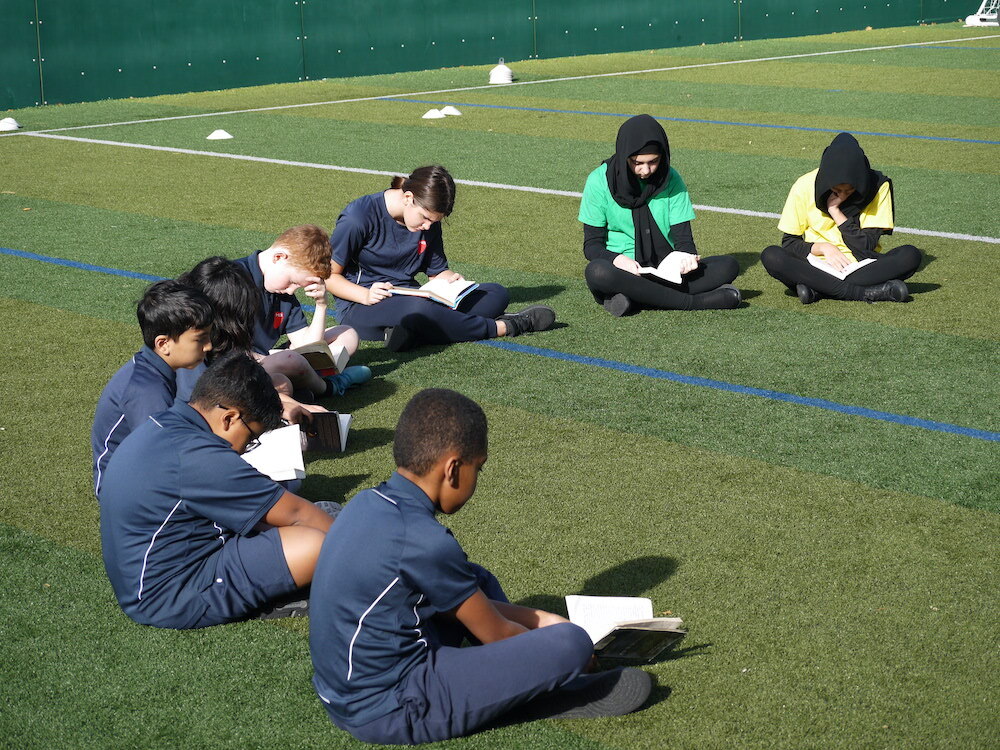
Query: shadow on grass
[[383, 362], [917, 288], [336, 488], [631, 578], [521, 295], [749, 294], [746, 260]]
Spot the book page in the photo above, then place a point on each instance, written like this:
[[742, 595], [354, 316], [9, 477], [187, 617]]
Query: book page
[[822, 265], [657, 623], [344, 421], [279, 454], [598, 615], [446, 290], [669, 268]]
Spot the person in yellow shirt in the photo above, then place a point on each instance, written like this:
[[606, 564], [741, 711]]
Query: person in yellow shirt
[[838, 214]]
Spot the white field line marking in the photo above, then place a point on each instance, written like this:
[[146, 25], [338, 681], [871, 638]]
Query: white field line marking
[[473, 183], [506, 85]]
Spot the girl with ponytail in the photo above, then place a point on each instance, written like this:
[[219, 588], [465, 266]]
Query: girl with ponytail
[[383, 241]]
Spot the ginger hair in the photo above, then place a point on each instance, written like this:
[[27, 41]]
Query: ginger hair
[[308, 248]]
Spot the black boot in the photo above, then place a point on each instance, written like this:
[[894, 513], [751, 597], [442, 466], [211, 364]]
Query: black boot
[[528, 320], [807, 295], [891, 291]]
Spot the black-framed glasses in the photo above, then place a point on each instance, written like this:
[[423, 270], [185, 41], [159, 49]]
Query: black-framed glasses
[[254, 441]]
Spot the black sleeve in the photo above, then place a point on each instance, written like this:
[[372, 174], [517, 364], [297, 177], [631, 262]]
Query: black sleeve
[[682, 239], [794, 244], [595, 243], [861, 242]]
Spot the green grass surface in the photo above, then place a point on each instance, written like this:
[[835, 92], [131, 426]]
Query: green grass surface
[[837, 573]]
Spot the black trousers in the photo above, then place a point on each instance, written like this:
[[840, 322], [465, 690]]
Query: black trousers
[[606, 280], [899, 263]]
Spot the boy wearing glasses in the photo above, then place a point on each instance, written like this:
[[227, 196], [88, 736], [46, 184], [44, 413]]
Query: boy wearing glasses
[[180, 509]]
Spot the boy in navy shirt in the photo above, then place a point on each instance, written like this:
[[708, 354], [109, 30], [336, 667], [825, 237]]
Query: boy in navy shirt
[[176, 322], [394, 595], [299, 258], [180, 509]]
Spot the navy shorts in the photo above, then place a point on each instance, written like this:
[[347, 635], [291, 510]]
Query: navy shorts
[[250, 572]]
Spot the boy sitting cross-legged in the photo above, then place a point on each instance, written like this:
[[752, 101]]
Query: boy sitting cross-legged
[[394, 595], [180, 510], [299, 258], [176, 322]]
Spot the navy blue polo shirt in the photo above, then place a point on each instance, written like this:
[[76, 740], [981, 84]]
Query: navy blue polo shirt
[[174, 492], [386, 567], [278, 314], [144, 385], [187, 378], [372, 246]]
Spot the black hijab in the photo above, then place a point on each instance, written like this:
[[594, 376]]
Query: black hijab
[[641, 135], [844, 162]]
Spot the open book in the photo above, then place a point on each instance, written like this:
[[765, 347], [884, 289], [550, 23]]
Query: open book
[[328, 432], [449, 293], [623, 628], [669, 268], [279, 454], [822, 265], [324, 358]]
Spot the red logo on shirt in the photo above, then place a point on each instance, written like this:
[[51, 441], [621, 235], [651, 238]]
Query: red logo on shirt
[[279, 318], [421, 246]]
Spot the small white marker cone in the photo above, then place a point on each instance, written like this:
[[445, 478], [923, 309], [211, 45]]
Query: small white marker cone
[[218, 135], [9, 123], [449, 110], [432, 114]]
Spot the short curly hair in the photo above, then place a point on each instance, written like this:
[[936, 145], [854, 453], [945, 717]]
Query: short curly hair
[[437, 421]]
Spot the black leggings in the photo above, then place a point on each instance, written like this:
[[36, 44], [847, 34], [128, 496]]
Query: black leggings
[[899, 263], [693, 293]]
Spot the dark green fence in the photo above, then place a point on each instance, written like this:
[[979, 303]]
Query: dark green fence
[[57, 51]]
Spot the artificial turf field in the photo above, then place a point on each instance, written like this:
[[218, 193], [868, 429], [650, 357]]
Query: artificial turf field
[[821, 507]]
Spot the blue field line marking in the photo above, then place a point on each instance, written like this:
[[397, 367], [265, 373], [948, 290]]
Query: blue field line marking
[[78, 264], [689, 119], [721, 385], [610, 364]]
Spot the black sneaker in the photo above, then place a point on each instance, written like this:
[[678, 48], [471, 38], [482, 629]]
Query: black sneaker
[[399, 339], [593, 696], [890, 291], [529, 320], [297, 608], [618, 305]]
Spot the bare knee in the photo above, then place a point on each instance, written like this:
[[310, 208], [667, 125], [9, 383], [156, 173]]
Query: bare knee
[[282, 384], [301, 545], [289, 363], [346, 336]]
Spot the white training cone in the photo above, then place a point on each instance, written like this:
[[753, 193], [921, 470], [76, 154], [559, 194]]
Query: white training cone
[[218, 135], [433, 114], [9, 123], [449, 110], [501, 74]]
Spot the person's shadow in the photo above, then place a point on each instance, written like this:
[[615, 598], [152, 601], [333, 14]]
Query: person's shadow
[[522, 295], [631, 578]]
